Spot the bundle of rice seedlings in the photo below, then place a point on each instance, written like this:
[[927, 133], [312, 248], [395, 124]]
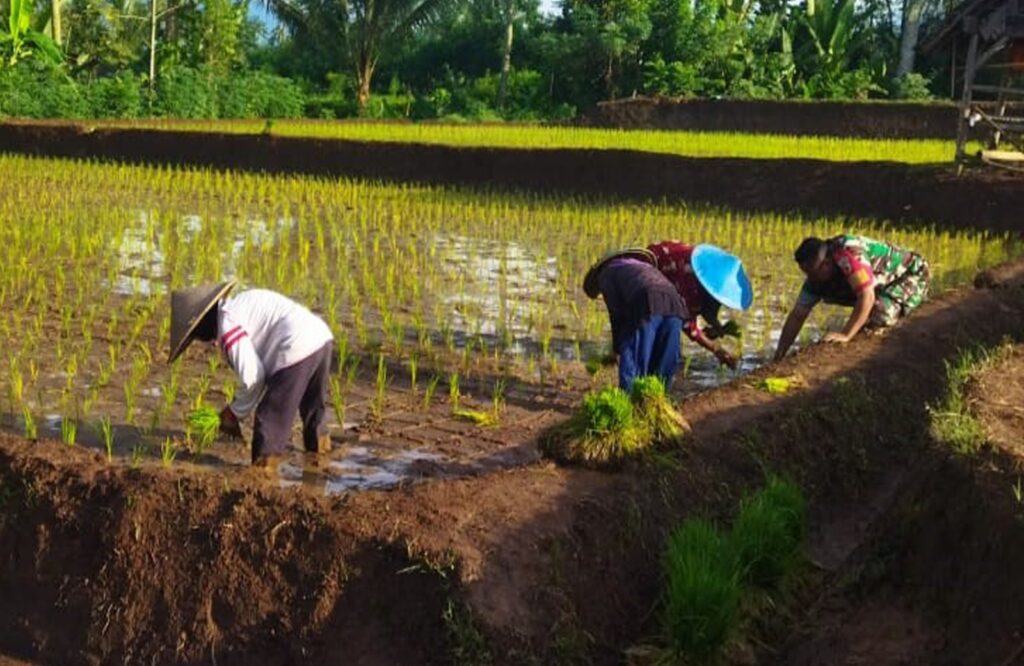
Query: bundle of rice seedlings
[[703, 592], [663, 420], [201, 428], [768, 533], [604, 430]]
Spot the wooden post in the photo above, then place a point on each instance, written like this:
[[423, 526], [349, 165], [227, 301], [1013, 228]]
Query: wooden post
[[965, 100]]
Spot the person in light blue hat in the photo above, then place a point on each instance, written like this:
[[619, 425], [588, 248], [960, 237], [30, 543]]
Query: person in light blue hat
[[645, 312], [706, 278]]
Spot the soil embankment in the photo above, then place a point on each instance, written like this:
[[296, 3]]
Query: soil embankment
[[104, 564], [884, 190], [866, 120]]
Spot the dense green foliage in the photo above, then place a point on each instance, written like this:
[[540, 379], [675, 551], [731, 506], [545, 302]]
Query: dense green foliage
[[708, 572], [472, 59]]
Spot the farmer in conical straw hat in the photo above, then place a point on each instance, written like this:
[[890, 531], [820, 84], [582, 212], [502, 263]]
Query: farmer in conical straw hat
[[281, 353], [880, 281], [645, 311], [706, 278]]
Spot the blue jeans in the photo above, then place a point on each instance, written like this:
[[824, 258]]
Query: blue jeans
[[651, 349]]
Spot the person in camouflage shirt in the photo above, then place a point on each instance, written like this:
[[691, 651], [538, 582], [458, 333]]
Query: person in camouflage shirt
[[880, 281]]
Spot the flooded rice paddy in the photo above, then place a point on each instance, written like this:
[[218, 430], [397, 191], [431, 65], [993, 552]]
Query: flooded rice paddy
[[441, 300]]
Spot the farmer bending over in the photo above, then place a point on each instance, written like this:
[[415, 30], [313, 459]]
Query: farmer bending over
[[645, 311], [706, 277], [882, 282], [281, 353]]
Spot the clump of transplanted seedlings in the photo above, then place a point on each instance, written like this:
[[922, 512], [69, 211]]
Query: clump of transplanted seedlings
[[201, 427], [604, 430], [612, 425], [664, 421]]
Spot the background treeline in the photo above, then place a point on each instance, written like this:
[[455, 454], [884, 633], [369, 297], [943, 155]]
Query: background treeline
[[453, 59]]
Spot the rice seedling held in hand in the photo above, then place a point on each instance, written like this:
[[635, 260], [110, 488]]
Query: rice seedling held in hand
[[201, 428], [664, 421], [703, 590]]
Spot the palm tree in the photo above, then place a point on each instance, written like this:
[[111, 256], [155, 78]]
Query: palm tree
[[368, 27]]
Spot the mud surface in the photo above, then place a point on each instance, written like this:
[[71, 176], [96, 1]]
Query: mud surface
[[107, 564], [891, 191]]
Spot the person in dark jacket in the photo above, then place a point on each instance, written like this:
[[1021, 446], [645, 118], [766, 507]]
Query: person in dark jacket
[[645, 311]]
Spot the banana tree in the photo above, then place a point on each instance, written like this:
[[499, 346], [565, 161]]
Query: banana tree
[[830, 24], [21, 40]]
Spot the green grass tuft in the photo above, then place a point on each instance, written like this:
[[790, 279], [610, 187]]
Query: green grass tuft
[[768, 534], [702, 604], [952, 422]]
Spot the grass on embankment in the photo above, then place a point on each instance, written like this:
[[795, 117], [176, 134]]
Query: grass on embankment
[[671, 142]]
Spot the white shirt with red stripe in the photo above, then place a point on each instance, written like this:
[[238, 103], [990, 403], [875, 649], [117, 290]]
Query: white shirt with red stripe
[[262, 332]]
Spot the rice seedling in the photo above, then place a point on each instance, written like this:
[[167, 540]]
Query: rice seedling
[[498, 399], [30, 428], [768, 533], [167, 452], [68, 431], [201, 428], [338, 401], [703, 590], [428, 393], [604, 430], [380, 390], [454, 395], [107, 437], [413, 367], [663, 420], [138, 454]]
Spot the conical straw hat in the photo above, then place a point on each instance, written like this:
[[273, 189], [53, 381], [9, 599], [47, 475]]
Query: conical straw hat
[[188, 307], [590, 280], [723, 276]]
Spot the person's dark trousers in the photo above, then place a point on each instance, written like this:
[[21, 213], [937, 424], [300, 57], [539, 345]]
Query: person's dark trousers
[[651, 349], [299, 389]]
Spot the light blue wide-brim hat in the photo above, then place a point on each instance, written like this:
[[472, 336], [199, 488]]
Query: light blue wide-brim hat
[[722, 275]]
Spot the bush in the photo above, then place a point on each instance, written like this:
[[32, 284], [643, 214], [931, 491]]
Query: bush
[[35, 89], [913, 86], [117, 96], [259, 95], [183, 92], [768, 533], [703, 591]]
